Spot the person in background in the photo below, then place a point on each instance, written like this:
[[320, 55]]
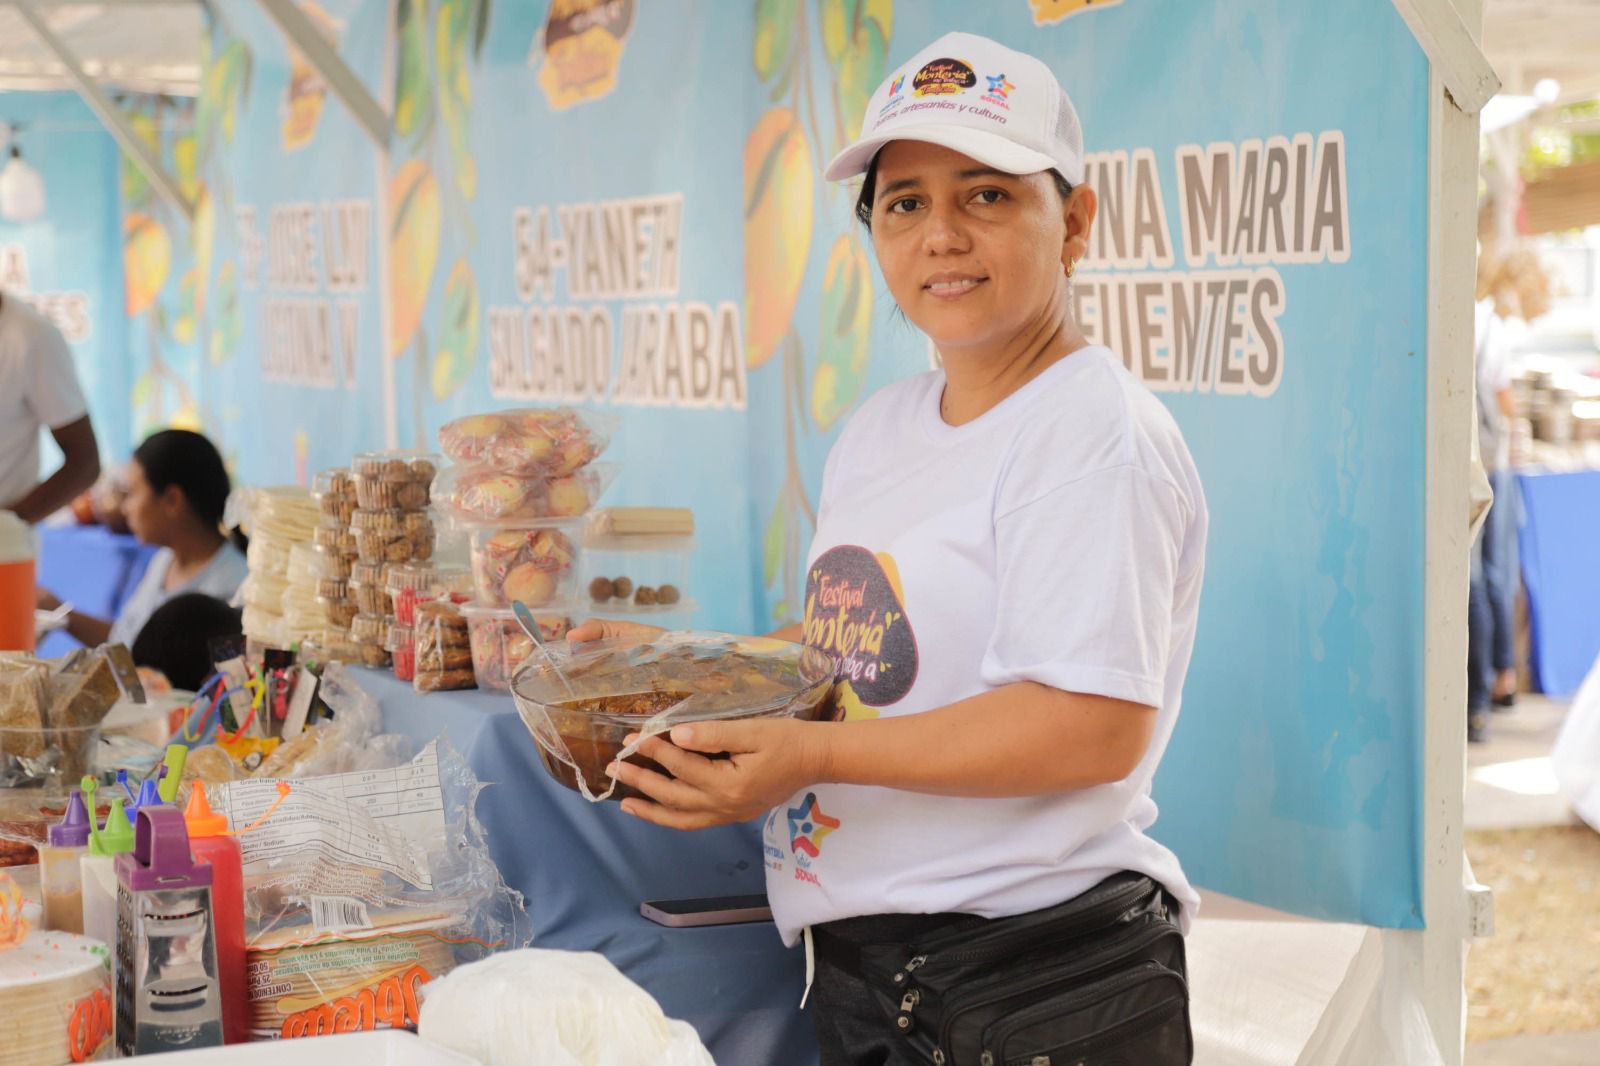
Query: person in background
[[176, 640], [39, 390], [177, 489]]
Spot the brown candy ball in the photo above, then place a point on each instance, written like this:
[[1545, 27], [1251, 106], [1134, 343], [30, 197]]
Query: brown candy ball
[[601, 589], [622, 587], [667, 595], [645, 597]]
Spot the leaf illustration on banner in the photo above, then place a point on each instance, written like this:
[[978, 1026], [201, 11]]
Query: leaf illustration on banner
[[185, 326], [305, 93], [458, 347], [413, 249], [226, 328], [772, 543], [855, 36], [146, 259], [455, 26], [186, 162], [413, 89], [202, 237], [777, 229], [136, 190], [225, 84], [846, 334], [774, 37]]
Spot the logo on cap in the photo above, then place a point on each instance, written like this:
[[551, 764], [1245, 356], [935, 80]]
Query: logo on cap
[[999, 89], [943, 77]]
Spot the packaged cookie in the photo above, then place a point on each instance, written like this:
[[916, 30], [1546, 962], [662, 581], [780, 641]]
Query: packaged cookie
[[529, 442], [334, 538], [333, 563], [335, 493], [392, 536], [499, 645], [394, 480], [334, 588], [373, 655], [443, 644], [369, 629], [535, 564], [483, 494], [341, 610], [414, 583]]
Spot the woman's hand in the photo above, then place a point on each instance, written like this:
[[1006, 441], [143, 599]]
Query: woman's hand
[[769, 761], [595, 629]]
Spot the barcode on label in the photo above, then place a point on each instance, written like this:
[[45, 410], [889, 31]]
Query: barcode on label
[[332, 913]]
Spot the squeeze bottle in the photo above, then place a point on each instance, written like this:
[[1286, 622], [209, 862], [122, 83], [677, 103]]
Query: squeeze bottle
[[60, 877], [17, 594], [210, 842], [100, 873]]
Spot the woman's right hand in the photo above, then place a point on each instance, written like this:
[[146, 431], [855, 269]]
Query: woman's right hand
[[595, 629]]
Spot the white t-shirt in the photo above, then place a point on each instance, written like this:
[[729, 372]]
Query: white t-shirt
[[38, 390], [221, 577], [1060, 539], [1494, 370]]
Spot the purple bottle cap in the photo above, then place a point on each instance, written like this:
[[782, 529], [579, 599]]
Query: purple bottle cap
[[160, 858], [73, 829]]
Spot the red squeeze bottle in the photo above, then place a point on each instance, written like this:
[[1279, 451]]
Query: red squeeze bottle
[[209, 842]]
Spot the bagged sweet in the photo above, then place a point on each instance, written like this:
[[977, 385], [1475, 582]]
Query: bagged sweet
[[483, 494], [555, 1008], [530, 442], [442, 643]]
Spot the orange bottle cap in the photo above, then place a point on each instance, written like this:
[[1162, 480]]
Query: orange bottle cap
[[201, 819]]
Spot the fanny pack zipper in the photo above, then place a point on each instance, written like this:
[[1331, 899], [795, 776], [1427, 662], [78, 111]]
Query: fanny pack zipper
[[1145, 971], [1089, 921], [1066, 971], [1111, 1037]]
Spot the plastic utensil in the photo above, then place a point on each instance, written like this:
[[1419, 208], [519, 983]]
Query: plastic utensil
[[530, 626]]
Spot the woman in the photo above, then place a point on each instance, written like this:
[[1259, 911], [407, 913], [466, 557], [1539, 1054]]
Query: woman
[[1007, 569], [177, 489]]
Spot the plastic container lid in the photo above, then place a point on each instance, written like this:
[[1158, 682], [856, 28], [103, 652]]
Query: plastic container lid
[[199, 817], [73, 829], [117, 836]]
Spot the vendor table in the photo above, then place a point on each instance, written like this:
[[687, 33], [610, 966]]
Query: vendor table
[[585, 868], [1560, 549], [90, 567]]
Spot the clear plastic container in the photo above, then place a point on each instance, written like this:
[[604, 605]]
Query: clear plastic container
[[335, 493], [535, 563], [613, 688], [529, 442], [392, 536], [480, 494], [413, 583], [334, 563], [403, 651], [334, 588], [624, 575], [399, 479], [499, 645], [369, 629], [341, 610], [333, 538]]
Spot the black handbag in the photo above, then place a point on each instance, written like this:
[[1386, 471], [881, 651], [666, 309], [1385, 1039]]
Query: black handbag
[[1096, 981]]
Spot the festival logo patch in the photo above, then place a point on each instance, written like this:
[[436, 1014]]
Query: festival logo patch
[[808, 826], [943, 77], [1046, 12], [895, 99], [582, 46], [998, 90], [855, 612]]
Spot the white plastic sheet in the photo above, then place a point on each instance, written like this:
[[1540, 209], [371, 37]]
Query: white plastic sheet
[[1576, 756]]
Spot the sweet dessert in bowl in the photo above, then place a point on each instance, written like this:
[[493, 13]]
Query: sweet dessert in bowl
[[618, 688]]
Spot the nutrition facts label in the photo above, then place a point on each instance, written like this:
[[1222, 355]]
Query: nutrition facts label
[[375, 818]]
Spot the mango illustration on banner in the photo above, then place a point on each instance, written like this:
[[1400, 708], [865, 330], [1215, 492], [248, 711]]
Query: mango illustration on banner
[[778, 176], [458, 21], [1046, 12], [458, 347], [202, 238], [413, 86], [844, 340], [855, 36], [146, 259], [186, 165], [184, 327], [305, 92], [413, 249], [775, 23], [582, 44]]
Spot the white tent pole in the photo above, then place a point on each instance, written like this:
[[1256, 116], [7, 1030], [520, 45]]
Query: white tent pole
[[1442, 28], [109, 114], [1435, 958], [325, 60]]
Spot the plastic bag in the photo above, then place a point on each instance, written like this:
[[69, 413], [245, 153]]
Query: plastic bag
[[556, 1008], [531, 442], [442, 647], [581, 715], [360, 888], [483, 494]]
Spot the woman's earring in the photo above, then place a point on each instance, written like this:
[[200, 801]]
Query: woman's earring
[[1072, 264]]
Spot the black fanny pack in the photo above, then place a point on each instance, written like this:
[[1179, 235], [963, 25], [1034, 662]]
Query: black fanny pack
[[1098, 979]]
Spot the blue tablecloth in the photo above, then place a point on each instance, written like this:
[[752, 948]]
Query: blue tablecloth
[[90, 567], [1560, 546], [585, 868]]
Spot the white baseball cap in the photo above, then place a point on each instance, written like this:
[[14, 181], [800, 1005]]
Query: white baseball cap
[[973, 95]]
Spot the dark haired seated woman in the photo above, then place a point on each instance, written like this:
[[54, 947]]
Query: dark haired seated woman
[[177, 488]]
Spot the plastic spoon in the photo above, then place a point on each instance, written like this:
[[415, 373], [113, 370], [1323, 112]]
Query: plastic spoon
[[530, 626]]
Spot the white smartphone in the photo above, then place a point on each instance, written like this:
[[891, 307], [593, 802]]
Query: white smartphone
[[712, 910]]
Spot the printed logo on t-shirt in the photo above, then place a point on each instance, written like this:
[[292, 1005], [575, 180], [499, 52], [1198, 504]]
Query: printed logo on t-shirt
[[808, 826], [855, 612]]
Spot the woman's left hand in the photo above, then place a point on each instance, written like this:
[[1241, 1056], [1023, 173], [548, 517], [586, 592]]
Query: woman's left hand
[[768, 761]]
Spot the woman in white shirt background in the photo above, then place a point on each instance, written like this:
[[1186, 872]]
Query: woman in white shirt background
[[1006, 570], [177, 489]]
